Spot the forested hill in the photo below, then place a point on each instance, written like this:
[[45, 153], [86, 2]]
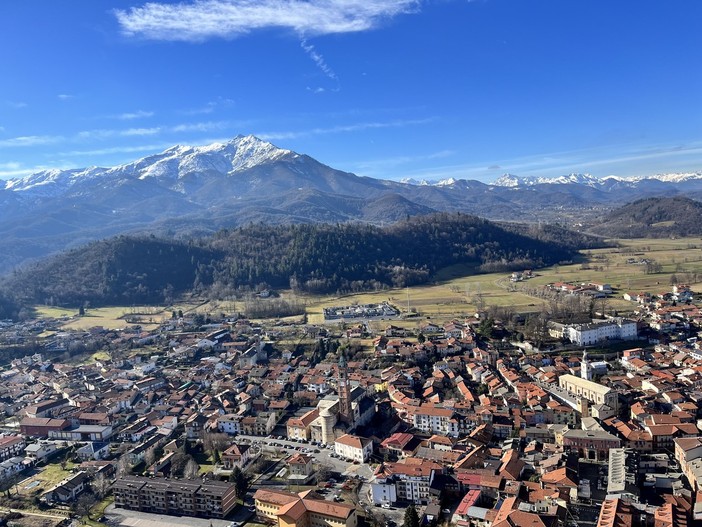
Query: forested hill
[[308, 257], [653, 218]]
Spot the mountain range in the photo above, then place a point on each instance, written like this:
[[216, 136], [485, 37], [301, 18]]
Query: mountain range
[[188, 191]]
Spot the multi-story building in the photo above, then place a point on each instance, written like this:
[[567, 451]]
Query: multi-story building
[[229, 424], [436, 420], [612, 329], [11, 446], [210, 499], [287, 509], [236, 456], [409, 481], [354, 448], [299, 427], [593, 444], [688, 453], [593, 392]]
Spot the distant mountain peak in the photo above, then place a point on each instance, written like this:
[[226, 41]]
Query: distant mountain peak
[[510, 180]]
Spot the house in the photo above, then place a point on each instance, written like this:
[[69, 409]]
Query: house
[[93, 450], [354, 448], [236, 456], [67, 490], [42, 450]]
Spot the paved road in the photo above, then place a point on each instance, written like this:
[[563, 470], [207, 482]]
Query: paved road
[[128, 518]]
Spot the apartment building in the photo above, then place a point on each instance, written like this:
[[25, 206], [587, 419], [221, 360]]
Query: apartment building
[[436, 420], [209, 499], [409, 481]]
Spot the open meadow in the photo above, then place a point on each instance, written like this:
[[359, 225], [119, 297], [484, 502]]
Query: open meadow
[[640, 265]]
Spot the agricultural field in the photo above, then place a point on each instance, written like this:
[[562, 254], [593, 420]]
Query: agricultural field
[[456, 293]]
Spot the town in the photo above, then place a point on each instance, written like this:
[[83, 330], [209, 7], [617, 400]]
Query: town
[[225, 419]]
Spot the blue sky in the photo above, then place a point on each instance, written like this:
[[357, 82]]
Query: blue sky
[[392, 89]]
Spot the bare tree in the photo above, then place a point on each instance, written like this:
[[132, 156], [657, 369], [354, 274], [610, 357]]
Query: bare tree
[[150, 457], [212, 441], [83, 505], [123, 466], [100, 485], [191, 470], [323, 472]]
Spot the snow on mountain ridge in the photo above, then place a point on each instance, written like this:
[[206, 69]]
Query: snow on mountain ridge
[[510, 180], [242, 152]]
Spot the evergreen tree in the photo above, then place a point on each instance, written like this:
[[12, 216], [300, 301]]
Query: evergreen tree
[[411, 517], [241, 483]]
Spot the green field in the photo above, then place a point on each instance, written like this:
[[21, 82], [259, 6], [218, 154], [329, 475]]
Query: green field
[[456, 293]]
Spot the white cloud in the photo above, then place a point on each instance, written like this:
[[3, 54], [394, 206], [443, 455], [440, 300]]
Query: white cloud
[[203, 19], [140, 131], [16, 104], [341, 129], [210, 106], [65, 96], [130, 116], [318, 59], [200, 127], [30, 140], [116, 150]]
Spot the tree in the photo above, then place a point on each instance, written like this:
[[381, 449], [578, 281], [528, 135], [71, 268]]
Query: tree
[[123, 466], [213, 441], [191, 470], [84, 504], [324, 472], [411, 517], [150, 457], [216, 457], [100, 485], [241, 482], [421, 338]]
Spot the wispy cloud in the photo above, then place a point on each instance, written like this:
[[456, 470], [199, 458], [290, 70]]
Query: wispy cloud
[[342, 129], [203, 19], [130, 116], [210, 106], [116, 150], [65, 96], [30, 140], [398, 161], [201, 127], [16, 104], [14, 169], [320, 63]]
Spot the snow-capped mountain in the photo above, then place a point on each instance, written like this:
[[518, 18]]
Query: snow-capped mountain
[[510, 180], [241, 153], [191, 190]]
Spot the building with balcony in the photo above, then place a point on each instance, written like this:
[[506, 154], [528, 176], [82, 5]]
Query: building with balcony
[[209, 499]]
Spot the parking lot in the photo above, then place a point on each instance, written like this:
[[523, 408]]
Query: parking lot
[[323, 455]]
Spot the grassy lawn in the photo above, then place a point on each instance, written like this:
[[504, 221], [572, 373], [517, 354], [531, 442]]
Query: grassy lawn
[[48, 476], [206, 462]]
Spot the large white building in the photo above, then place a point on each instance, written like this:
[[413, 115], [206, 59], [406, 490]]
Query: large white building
[[436, 420], [409, 481], [595, 332], [354, 448], [594, 393]]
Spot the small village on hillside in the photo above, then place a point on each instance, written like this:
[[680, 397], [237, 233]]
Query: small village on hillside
[[463, 423]]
